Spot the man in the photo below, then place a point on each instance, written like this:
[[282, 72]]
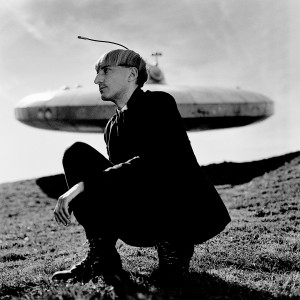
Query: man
[[151, 191]]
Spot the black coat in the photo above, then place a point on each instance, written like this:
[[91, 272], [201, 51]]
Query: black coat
[[158, 182]]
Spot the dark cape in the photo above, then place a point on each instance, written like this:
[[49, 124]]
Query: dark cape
[[158, 184]]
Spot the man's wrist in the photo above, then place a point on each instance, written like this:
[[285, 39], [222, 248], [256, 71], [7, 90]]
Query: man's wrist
[[76, 190], [80, 187]]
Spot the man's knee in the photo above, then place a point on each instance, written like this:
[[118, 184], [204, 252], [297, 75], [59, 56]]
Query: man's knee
[[74, 152], [77, 147], [84, 159]]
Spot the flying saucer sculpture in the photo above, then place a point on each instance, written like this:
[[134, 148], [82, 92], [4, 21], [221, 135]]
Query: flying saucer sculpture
[[81, 109]]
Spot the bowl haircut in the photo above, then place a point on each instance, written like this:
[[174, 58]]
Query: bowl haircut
[[125, 58]]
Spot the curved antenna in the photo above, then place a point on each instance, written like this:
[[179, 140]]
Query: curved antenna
[[85, 38]]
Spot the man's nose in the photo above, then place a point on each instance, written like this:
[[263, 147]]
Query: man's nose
[[98, 79]]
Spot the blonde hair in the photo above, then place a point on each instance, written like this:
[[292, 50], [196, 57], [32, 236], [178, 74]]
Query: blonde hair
[[125, 58]]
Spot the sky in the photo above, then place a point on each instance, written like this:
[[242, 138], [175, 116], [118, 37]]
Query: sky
[[252, 44]]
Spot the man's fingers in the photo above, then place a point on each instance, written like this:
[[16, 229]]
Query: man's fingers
[[61, 214], [65, 213], [59, 219], [56, 218], [56, 214], [62, 220]]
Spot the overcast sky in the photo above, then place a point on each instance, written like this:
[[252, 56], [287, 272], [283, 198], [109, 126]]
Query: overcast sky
[[253, 44]]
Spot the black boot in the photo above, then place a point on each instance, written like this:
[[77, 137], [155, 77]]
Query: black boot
[[102, 260], [174, 260]]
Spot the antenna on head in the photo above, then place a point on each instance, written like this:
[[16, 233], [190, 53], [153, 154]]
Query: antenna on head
[[85, 38]]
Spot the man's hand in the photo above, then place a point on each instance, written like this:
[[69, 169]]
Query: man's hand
[[62, 211]]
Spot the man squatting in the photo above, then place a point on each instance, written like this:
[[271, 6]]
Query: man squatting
[[151, 191]]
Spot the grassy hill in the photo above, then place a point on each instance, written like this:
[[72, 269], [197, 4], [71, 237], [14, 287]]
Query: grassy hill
[[256, 257]]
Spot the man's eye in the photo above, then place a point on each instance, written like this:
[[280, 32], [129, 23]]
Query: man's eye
[[105, 70]]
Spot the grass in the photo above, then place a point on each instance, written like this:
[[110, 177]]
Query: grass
[[256, 257]]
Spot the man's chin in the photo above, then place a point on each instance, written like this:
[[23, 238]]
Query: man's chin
[[104, 98]]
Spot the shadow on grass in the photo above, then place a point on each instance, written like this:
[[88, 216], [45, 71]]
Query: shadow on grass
[[220, 174], [239, 173], [198, 286], [53, 186], [13, 292], [207, 286]]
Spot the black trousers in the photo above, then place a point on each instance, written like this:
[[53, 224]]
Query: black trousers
[[112, 210], [108, 207]]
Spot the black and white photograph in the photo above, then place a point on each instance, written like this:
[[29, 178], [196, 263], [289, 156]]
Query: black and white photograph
[[150, 149]]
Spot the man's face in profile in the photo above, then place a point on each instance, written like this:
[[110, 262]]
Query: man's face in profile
[[112, 81]]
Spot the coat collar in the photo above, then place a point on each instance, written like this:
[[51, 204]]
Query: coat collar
[[137, 94], [134, 101]]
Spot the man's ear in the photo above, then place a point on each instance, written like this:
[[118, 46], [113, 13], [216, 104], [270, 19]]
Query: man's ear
[[133, 75]]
